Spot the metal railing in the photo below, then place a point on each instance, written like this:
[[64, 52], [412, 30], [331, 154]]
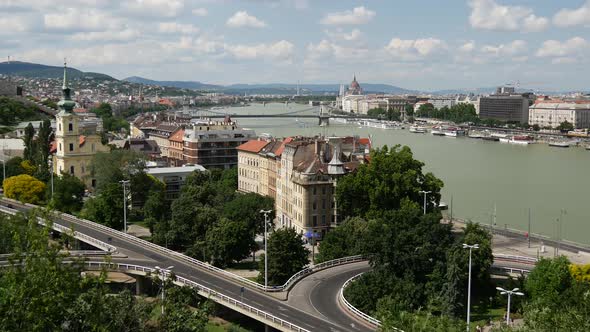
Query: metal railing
[[285, 287], [62, 229], [359, 314], [516, 259], [510, 269], [204, 291]]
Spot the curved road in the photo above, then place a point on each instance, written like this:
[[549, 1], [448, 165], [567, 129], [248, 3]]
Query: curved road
[[145, 256], [317, 294]]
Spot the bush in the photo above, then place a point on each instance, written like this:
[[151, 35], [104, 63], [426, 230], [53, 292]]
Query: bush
[[24, 188]]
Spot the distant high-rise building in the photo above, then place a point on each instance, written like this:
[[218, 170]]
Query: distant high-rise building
[[505, 105]]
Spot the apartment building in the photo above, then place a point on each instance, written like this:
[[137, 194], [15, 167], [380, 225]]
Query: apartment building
[[551, 113]]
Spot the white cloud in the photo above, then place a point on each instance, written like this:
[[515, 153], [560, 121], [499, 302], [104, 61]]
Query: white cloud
[[243, 19], [14, 24], [200, 12], [329, 50], [489, 15], [173, 27], [570, 17], [359, 15], [570, 47], [281, 50], [502, 50], [533, 23], [410, 49], [467, 47], [354, 35], [153, 8], [74, 19], [564, 61], [125, 35]]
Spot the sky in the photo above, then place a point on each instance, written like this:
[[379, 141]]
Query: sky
[[418, 44]]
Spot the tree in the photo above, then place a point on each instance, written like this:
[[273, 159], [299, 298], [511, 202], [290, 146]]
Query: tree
[[14, 167], [29, 139], [68, 193], [286, 256], [426, 110], [24, 188], [228, 241], [42, 150], [39, 292], [409, 110], [107, 207], [549, 280], [565, 126], [376, 112], [536, 127], [114, 166], [246, 208], [381, 185], [345, 240]]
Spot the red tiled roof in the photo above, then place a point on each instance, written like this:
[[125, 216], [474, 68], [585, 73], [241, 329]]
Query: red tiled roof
[[52, 147], [178, 135], [282, 147], [80, 110], [253, 146], [364, 141], [81, 140]]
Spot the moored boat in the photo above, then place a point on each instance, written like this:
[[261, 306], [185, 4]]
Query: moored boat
[[417, 129], [560, 144]]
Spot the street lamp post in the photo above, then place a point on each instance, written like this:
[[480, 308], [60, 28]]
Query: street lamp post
[[265, 212], [425, 193], [470, 247], [162, 272], [125, 183], [510, 293], [51, 171]]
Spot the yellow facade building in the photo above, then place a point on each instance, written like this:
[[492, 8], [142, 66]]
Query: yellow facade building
[[74, 150]]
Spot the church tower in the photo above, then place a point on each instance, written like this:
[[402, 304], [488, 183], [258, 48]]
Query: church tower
[[74, 150], [67, 131]]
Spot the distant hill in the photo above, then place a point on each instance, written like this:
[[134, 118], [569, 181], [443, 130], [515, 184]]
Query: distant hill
[[34, 70], [193, 85]]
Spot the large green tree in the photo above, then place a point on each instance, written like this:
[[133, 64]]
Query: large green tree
[[346, 240], [286, 256], [68, 193], [227, 242], [246, 208], [107, 207], [391, 176]]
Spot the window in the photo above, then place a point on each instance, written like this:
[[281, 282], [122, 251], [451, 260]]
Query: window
[[315, 221], [71, 146], [324, 220], [315, 206], [72, 170], [324, 190], [324, 203], [59, 147], [70, 127], [314, 190], [92, 147], [59, 126]]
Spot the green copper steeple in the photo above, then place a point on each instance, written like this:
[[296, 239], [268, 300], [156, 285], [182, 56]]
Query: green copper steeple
[[66, 104]]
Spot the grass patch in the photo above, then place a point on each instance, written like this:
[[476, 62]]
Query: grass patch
[[245, 265]]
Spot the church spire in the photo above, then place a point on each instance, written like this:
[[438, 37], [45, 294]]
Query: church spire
[[66, 104], [65, 85]]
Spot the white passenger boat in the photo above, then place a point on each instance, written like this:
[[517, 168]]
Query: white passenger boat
[[417, 129]]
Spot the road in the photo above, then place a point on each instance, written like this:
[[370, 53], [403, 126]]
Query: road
[[141, 255], [317, 294]]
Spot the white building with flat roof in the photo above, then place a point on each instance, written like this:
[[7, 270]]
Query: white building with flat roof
[[440, 102], [551, 113], [174, 177]]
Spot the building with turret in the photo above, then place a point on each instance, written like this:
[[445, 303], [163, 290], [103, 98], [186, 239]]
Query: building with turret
[[74, 147]]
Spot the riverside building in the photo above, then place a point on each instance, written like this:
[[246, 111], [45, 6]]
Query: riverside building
[[553, 112]]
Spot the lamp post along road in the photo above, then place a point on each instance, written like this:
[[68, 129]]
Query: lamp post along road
[[425, 193], [162, 272], [510, 293], [265, 212], [125, 183], [470, 247]]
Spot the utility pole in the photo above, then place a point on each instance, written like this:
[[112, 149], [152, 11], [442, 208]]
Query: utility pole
[[451, 208], [265, 212], [125, 183], [470, 247], [529, 233]]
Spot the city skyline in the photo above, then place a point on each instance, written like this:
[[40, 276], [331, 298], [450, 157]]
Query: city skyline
[[418, 45]]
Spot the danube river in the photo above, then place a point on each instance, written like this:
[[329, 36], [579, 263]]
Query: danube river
[[478, 175]]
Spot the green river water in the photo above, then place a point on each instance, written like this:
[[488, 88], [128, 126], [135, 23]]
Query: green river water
[[477, 174]]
